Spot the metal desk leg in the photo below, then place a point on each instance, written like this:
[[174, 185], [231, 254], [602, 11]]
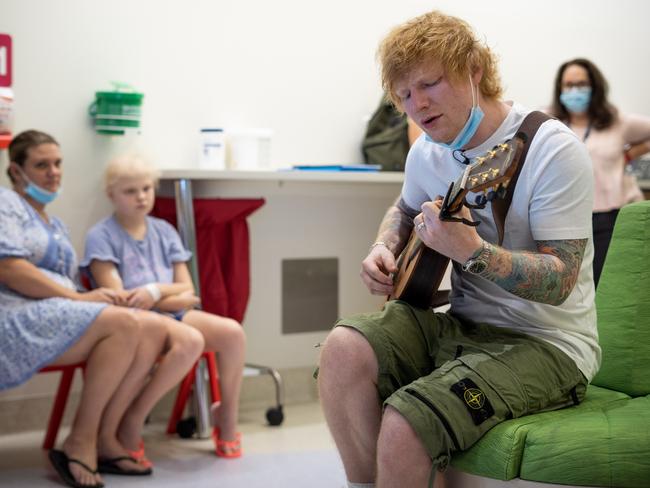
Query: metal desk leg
[[187, 231], [186, 228]]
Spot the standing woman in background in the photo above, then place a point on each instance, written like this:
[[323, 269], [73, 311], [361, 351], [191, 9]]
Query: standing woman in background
[[612, 139]]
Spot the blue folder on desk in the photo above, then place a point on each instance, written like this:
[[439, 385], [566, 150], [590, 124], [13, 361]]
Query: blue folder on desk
[[337, 167]]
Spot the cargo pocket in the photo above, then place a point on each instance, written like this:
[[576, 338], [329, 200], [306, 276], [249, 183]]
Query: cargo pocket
[[441, 417], [499, 378]]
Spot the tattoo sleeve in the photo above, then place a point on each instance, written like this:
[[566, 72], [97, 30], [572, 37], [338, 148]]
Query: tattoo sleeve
[[396, 226], [546, 276]]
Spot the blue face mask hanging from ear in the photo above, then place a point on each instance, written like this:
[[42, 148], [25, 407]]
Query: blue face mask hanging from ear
[[470, 127], [41, 195]]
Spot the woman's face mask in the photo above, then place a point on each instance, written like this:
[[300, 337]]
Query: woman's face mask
[[41, 195], [37, 193], [576, 100]]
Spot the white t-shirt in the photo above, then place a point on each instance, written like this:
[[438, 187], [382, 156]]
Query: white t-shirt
[[552, 201]]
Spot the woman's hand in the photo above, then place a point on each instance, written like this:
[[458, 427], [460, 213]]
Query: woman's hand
[[376, 270], [104, 295]]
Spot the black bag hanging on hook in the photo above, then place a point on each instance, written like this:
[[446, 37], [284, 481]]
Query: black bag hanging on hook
[[386, 141]]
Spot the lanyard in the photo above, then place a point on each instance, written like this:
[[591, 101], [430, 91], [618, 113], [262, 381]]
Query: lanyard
[[587, 131]]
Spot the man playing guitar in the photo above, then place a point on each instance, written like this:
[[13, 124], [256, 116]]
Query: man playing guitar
[[403, 388]]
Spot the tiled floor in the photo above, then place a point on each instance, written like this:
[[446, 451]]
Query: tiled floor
[[299, 453]]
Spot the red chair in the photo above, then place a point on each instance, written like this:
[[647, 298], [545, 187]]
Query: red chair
[[67, 377], [186, 388], [62, 393]]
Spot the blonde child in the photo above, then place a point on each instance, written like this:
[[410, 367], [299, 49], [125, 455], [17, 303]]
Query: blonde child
[[143, 258]]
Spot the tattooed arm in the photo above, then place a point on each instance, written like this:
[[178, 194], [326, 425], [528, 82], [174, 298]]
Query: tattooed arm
[[396, 226], [393, 234], [546, 276]]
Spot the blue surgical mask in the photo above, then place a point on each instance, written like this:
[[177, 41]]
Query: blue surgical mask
[[470, 127], [576, 100], [41, 195]]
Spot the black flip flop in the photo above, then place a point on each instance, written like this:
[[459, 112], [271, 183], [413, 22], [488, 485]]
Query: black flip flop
[[110, 466], [60, 461]]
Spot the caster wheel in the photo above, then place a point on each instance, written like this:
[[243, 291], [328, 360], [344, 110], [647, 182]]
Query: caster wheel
[[274, 415], [186, 427]]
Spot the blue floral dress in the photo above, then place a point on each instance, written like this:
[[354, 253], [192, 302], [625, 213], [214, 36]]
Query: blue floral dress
[[34, 332]]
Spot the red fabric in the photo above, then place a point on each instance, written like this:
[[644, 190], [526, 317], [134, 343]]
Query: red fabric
[[223, 250]]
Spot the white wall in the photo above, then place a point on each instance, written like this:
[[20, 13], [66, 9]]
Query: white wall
[[305, 69]]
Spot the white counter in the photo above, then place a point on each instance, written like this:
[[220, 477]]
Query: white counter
[[285, 175]]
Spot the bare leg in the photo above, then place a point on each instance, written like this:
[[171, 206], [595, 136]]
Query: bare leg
[[347, 382], [108, 347], [226, 337], [401, 457], [151, 345], [184, 346]]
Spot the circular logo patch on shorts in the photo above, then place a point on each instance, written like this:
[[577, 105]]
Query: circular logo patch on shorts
[[474, 398]]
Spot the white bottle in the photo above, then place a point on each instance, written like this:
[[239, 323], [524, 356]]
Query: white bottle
[[249, 149], [212, 150]]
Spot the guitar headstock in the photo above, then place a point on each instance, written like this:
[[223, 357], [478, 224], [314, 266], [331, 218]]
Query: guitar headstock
[[490, 173]]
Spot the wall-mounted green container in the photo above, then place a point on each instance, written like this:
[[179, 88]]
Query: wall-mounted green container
[[116, 112]]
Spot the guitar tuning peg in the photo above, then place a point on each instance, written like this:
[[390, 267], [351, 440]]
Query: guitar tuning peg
[[479, 160], [494, 172], [473, 181], [480, 199]]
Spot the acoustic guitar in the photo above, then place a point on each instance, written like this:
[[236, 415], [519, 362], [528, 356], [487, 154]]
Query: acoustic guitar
[[420, 268]]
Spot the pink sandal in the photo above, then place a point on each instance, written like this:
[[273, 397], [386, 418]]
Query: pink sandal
[[227, 449], [140, 456]]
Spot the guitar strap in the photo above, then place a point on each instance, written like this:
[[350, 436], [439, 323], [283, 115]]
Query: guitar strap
[[526, 132]]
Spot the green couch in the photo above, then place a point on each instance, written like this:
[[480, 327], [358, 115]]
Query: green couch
[[605, 441]]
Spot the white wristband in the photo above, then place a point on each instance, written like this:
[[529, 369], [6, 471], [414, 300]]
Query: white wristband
[[153, 290]]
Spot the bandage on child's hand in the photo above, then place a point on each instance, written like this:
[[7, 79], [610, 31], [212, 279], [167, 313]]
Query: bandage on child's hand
[[141, 298]]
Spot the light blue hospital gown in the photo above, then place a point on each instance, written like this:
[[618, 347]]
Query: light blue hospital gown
[[138, 262], [34, 332]]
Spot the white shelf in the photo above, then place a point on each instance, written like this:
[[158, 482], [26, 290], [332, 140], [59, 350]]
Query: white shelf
[[284, 175]]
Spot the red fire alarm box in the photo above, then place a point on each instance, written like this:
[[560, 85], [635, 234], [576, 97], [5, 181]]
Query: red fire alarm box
[[6, 94], [5, 60]]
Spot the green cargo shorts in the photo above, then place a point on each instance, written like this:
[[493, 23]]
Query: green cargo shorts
[[454, 380]]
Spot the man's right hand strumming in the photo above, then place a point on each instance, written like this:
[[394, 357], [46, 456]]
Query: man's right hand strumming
[[377, 269]]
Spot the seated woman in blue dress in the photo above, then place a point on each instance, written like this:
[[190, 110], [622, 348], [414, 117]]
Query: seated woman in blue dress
[[44, 321]]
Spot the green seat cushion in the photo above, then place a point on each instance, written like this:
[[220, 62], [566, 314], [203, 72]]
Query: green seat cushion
[[623, 305], [499, 453], [608, 446], [605, 441]]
